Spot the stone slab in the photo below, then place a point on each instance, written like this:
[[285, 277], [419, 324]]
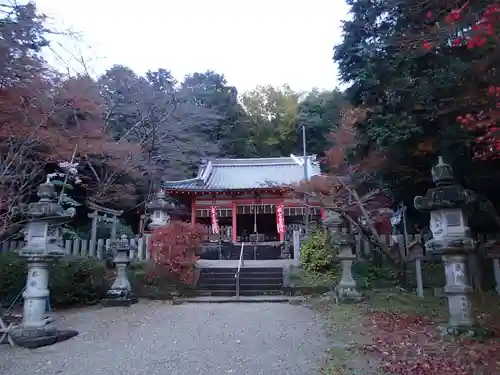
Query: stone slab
[[33, 339], [241, 299], [117, 302]]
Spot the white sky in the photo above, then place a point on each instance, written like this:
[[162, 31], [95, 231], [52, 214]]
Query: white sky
[[251, 42]]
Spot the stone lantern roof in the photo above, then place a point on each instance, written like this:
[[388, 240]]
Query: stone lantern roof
[[47, 208], [42, 229], [159, 203], [446, 194]]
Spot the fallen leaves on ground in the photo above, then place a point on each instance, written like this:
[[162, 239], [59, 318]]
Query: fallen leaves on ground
[[412, 344]]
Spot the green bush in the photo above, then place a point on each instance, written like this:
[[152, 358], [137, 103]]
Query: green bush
[[12, 276], [370, 276], [85, 281], [316, 253], [72, 282], [78, 282], [148, 281]]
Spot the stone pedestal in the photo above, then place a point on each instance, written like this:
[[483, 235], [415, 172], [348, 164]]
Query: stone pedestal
[[457, 291], [345, 290], [41, 249], [120, 293]]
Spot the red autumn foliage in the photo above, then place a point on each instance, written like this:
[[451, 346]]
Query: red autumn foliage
[[349, 187], [412, 344], [482, 38], [173, 248]]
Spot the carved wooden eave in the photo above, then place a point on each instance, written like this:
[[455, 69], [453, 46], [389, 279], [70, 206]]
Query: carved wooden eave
[[105, 210]]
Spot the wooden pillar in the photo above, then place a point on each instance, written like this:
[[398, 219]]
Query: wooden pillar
[[234, 220], [113, 227], [193, 211]]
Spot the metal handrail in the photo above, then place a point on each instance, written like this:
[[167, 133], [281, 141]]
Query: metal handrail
[[237, 274]]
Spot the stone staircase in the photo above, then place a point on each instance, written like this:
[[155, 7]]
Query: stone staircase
[[220, 282], [262, 252]]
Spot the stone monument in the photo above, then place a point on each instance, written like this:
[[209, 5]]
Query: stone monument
[[345, 290], [120, 293], [451, 239], [43, 237]]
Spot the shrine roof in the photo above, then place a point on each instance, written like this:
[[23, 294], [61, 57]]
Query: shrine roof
[[238, 174]]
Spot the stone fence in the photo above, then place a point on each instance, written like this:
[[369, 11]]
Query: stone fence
[[84, 248], [139, 247]]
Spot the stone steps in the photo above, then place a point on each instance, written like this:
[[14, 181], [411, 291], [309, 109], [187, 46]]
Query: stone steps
[[253, 281]]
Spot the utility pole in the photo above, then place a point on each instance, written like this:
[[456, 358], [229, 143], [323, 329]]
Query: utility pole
[[306, 178]]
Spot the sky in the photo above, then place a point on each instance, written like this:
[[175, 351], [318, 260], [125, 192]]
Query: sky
[[251, 42]]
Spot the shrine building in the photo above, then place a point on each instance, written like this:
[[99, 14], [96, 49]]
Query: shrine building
[[248, 200]]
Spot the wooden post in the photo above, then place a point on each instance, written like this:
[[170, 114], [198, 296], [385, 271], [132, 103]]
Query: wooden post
[[93, 233], [113, 228], [193, 211], [234, 237], [418, 273], [496, 272]]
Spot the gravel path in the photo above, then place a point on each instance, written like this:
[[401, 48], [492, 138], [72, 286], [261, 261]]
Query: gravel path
[[189, 339]]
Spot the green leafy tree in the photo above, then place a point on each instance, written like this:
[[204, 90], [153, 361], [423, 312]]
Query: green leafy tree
[[413, 96], [273, 113]]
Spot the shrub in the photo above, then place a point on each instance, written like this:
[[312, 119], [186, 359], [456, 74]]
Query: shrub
[[316, 253], [173, 250], [71, 282], [150, 282], [12, 276], [78, 282], [369, 275]]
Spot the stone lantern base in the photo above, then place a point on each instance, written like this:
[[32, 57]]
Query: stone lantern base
[[119, 297], [32, 338], [36, 329], [345, 291], [346, 294]]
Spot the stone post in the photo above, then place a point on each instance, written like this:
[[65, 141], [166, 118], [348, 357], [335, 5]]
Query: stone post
[[451, 239], [492, 251], [296, 247], [120, 293], [496, 272], [41, 249], [345, 290]]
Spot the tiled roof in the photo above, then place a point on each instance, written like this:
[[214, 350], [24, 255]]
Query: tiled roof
[[239, 174]]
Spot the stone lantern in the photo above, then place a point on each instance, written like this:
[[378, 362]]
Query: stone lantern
[[159, 210], [451, 239], [345, 290], [43, 237], [120, 293]]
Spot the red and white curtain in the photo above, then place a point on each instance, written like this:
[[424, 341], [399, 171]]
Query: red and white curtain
[[213, 216], [280, 218]]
